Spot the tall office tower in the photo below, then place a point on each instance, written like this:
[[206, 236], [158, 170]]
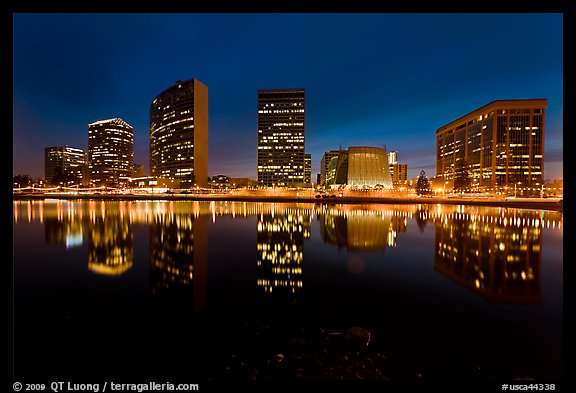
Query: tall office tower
[[179, 134], [65, 162], [325, 162], [308, 168], [110, 151], [498, 145], [281, 116]]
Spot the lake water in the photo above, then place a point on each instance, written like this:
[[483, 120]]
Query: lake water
[[245, 291]]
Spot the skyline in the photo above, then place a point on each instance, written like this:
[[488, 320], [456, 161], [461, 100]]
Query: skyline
[[370, 79]]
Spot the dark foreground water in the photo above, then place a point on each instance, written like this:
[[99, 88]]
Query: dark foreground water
[[233, 291]]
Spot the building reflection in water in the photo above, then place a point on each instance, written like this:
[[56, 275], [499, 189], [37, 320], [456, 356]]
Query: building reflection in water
[[280, 250], [179, 256], [62, 225], [106, 231], [360, 229], [493, 251], [178, 238], [497, 257], [69, 233], [110, 245]]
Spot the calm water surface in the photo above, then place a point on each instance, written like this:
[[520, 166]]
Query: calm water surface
[[264, 291]]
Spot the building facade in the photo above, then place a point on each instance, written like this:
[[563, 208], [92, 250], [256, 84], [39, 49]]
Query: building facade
[[368, 167], [325, 162], [281, 136], [110, 152], [179, 134], [498, 145], [360, 167], [154, 184], [392, 157], [337, 172], [399, 173], [308, 168], [65, 162]]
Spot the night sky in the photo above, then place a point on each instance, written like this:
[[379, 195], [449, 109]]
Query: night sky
[[371, 79]]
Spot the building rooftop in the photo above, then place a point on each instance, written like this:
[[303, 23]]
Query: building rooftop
[[530, 102]]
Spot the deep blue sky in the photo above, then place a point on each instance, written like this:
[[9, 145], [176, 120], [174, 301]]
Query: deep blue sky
[[370, 79]]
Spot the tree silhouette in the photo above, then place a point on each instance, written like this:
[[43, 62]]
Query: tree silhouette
[[423, 184], [22, 180]]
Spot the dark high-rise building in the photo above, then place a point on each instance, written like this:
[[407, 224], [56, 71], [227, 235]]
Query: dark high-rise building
[[65, 162], [337, 170], [179, 134], [325, 162], [110, 151], [498, 145], [281, 134]]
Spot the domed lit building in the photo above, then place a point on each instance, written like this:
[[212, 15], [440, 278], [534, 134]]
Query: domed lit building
[[360, 167]]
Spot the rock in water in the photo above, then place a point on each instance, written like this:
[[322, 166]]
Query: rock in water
[[358, 336]]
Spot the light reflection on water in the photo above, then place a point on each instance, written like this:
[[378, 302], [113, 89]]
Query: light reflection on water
[[325, 259]]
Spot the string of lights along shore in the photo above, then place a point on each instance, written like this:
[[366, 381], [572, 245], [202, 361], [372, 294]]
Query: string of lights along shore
[[497, 147]]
